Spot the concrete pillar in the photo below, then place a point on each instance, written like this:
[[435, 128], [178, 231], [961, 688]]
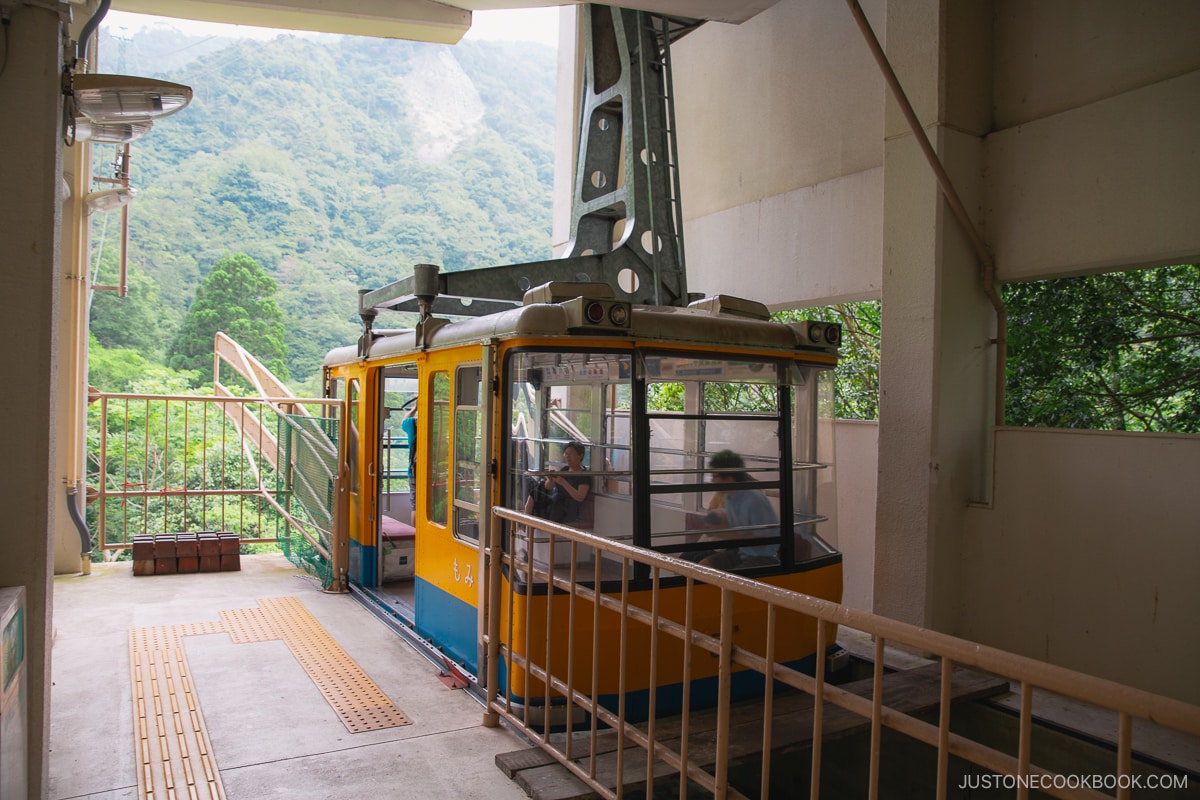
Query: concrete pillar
[[30, 216], [937, 371]]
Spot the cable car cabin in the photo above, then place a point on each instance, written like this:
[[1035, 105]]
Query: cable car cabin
[[697, 432]]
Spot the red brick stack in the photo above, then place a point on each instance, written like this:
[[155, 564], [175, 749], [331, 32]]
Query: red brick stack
[[170, 553]]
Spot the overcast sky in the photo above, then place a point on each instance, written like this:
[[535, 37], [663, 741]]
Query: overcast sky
[[529, 24]]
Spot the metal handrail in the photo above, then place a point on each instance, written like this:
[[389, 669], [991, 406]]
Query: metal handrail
[[197, 471], [1026, 672]]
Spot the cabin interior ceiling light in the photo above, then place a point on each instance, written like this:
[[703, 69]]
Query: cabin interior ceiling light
[[110, 199], [106, 99]]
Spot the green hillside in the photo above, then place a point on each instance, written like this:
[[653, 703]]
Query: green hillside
[[335, 163]]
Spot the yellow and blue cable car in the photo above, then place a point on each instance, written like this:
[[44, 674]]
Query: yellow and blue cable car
[[653, 401]]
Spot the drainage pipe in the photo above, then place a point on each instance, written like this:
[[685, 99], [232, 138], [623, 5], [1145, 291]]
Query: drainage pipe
[[85, 537], [90, 27], [987, 264]]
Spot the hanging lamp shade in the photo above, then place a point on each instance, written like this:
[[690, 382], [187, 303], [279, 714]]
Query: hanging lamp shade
[[110, 199], [107, 99], [111, 132]]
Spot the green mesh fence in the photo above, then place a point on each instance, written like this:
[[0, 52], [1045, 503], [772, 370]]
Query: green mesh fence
[[307, 467]]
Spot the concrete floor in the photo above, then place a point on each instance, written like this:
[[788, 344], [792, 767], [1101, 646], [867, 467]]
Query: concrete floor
[[272, 732]]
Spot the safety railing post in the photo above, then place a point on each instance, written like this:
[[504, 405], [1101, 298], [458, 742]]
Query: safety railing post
[[1025, 738], [623, 660], [814, 786], [769, 699], [650, 725], [495, 568], [943, 761], [548, 653], [102, 477], [876, 720], [688, 611], [724, 682], [1124, 754]]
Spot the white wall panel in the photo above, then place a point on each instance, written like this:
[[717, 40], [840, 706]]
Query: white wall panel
[[810, 246], [1088, 556], [857, 464], [789, 99], [1055, 55], [1109, 185]]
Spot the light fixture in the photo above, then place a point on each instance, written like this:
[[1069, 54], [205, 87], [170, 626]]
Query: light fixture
[[110, 199], [106, 99], [110, 133]]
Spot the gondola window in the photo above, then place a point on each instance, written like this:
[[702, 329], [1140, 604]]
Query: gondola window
[[437, 466], [468, 452]]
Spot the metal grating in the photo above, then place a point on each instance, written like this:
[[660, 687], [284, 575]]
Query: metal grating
[[173, 751]]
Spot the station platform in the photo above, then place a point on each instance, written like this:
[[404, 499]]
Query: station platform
[[297, 694]]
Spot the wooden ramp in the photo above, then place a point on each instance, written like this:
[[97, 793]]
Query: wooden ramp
[[909, 691]]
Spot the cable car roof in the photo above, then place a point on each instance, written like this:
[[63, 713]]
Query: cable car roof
[[665, 324]]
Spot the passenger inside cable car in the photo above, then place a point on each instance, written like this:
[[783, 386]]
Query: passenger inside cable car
[[739, 511], [563, 498]]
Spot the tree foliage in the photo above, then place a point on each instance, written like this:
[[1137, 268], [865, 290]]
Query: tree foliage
[[237, 298], [305, 154], [131, 321], [125, 370], [856, 379], [1119, 351]]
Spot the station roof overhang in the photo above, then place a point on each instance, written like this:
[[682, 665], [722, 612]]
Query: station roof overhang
[[418, 20]]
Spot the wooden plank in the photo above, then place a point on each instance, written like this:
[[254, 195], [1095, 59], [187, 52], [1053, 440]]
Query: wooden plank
[[514, 762], [543, 778], [554, 783], [910, 691]]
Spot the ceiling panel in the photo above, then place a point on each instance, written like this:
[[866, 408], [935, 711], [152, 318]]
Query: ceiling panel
[[421, 20]]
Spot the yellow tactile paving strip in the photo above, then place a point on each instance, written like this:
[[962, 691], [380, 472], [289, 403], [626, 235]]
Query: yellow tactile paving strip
[[174, 755], [356, 699]]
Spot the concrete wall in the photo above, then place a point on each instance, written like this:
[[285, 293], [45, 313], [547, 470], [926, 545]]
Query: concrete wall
[[822, 241], [1087, 557], [1093, 163], [856, 464], [743, 138]]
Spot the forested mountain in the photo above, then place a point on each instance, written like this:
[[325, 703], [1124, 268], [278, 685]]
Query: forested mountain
[[335, 163]]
